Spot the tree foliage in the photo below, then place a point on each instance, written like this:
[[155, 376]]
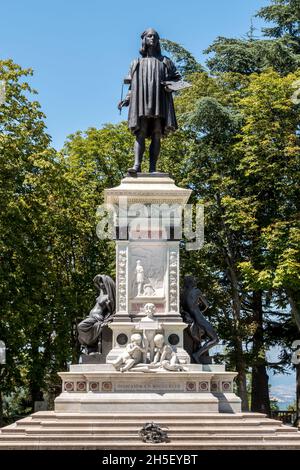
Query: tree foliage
[[279, 48], [185, 61]]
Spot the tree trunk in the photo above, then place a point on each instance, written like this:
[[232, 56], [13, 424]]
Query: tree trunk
[[237, 341], [241, 379], [36, 377], [297, 423], [260, 399], [228, 248], [36, 394], [294, 302]]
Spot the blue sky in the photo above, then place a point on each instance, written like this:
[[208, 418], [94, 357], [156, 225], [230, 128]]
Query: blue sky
[[81, 50]]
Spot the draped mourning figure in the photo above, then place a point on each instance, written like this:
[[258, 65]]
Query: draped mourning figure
[[151, 108], [90, 329], [193, 305]]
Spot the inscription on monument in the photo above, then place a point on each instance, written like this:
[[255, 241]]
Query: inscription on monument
[[157, 386]]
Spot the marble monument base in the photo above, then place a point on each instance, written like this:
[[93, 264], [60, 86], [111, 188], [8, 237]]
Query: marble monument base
[[99, 388]]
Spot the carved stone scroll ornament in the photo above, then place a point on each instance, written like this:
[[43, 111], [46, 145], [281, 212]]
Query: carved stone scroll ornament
[[122, 279], [173, 281]]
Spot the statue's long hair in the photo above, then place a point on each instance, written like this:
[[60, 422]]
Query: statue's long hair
[[143, 49]]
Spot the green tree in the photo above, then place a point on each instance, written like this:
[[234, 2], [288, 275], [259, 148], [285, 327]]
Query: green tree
[[22, 135], [268, 147], [279, 48], [49, 248], [284, 16], [207, 113], [251, 55], [185, 61]]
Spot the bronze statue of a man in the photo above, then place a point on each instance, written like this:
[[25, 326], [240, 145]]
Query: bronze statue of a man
[[151, 109]]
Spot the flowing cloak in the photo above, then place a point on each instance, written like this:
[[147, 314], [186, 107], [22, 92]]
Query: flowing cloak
[[148, 97], [89, 330]]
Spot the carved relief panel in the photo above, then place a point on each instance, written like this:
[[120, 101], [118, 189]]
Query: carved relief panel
[[147, 275], [147, 270]]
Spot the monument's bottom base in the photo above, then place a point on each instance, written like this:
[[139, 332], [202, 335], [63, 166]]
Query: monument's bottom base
[[147, 403], [99, 388], [101, 408], [120, 431]]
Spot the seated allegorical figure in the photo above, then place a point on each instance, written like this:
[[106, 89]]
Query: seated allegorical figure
[[90, 329], [193, 305]]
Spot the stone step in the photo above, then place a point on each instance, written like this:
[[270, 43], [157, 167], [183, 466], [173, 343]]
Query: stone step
[[112, 427], [49, 430], [19, 427], [136, 419], [132, 416], [166, 423], [204, 442], [176, 436], [95, 429], [128, 445]]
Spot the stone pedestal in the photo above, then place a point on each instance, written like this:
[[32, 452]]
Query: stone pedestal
[[147, 213], [147, 219], [101, 389]]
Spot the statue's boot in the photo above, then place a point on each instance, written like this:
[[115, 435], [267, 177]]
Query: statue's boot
[[154, 151], [152, 165], [137, 165], [204, 349], [134, 170]]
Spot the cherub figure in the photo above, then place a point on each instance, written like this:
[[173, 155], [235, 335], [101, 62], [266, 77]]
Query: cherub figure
[[132, 355], [165, 356]]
